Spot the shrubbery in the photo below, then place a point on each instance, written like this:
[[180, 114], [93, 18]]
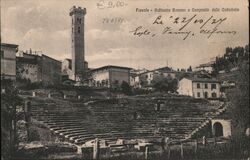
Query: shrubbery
[[9, 101], [166, 85], [126, 89]]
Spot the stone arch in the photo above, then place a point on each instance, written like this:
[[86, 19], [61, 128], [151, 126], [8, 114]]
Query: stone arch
[[218, 129], [221, 124]]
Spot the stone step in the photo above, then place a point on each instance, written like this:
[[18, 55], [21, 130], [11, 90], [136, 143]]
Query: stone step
[[71, 132]]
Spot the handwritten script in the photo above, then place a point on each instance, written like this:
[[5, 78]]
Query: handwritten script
[[103, 4], [184, 27]]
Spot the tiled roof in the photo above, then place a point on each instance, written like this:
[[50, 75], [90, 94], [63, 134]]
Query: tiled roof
[[161, 70], [108, 67], [9, 45], [195, 79]]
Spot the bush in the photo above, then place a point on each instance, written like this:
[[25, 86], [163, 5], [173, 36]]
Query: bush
[[10, 98], [125, 87], [166, 85], [30, 86], [138, 91]]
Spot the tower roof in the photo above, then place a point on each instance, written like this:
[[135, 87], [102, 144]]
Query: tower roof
[[75, 10]]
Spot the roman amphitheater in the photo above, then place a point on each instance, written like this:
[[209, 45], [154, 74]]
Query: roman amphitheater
[[105, 127]]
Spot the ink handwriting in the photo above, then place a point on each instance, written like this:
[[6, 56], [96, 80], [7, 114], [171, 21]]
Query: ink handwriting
[[186, 26]]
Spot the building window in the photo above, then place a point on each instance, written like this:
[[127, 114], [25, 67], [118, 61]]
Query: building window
[[79, 29], [213, 86], [206, 85], [98, 83], [2, 54], [107, 82], [206, 95], [214, 95], [103, 83], [198, 85], [198, 94]]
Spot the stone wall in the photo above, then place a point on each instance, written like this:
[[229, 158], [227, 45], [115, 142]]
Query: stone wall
[[51, 70], [226, 126], [28, 71], [37, 68], [8, 62]]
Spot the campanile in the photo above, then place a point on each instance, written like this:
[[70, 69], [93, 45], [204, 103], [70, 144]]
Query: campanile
[[77, 41]]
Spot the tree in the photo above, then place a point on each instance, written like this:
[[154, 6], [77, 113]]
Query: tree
[[247, 48], [232, 58], [229, 50], [189, 69], [125, 87], [9, 101], [166, 84], [239, 98]]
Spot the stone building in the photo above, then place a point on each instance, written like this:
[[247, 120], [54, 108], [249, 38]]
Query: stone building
[[148, 78], [36, 68], [28, 68], [51, 70], [77, 41], [132, 79], [8, 61], [110, 76], [134, 76], [199, 87], [67, 71], [205, 67]]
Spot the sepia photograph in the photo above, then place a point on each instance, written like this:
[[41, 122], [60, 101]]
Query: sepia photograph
[[125, 80]]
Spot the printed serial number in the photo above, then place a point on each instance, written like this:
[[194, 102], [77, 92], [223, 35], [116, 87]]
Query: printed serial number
[[113, 20]]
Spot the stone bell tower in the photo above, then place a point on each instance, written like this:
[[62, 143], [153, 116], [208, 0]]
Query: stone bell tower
[[77, 41]]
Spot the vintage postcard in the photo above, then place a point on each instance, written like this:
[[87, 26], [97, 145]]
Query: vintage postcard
[[125, 79]]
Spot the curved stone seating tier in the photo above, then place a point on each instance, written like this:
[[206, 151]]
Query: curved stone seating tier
[[129, 118]]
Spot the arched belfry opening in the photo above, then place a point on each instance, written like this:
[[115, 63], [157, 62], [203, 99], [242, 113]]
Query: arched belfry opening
[[218, 129]]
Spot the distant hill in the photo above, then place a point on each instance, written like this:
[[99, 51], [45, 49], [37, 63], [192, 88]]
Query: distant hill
[[230, 61]]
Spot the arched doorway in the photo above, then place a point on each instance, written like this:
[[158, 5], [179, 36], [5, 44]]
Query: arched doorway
[[218, 129]]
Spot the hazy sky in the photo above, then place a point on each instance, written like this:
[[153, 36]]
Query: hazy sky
[[45, 25]]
